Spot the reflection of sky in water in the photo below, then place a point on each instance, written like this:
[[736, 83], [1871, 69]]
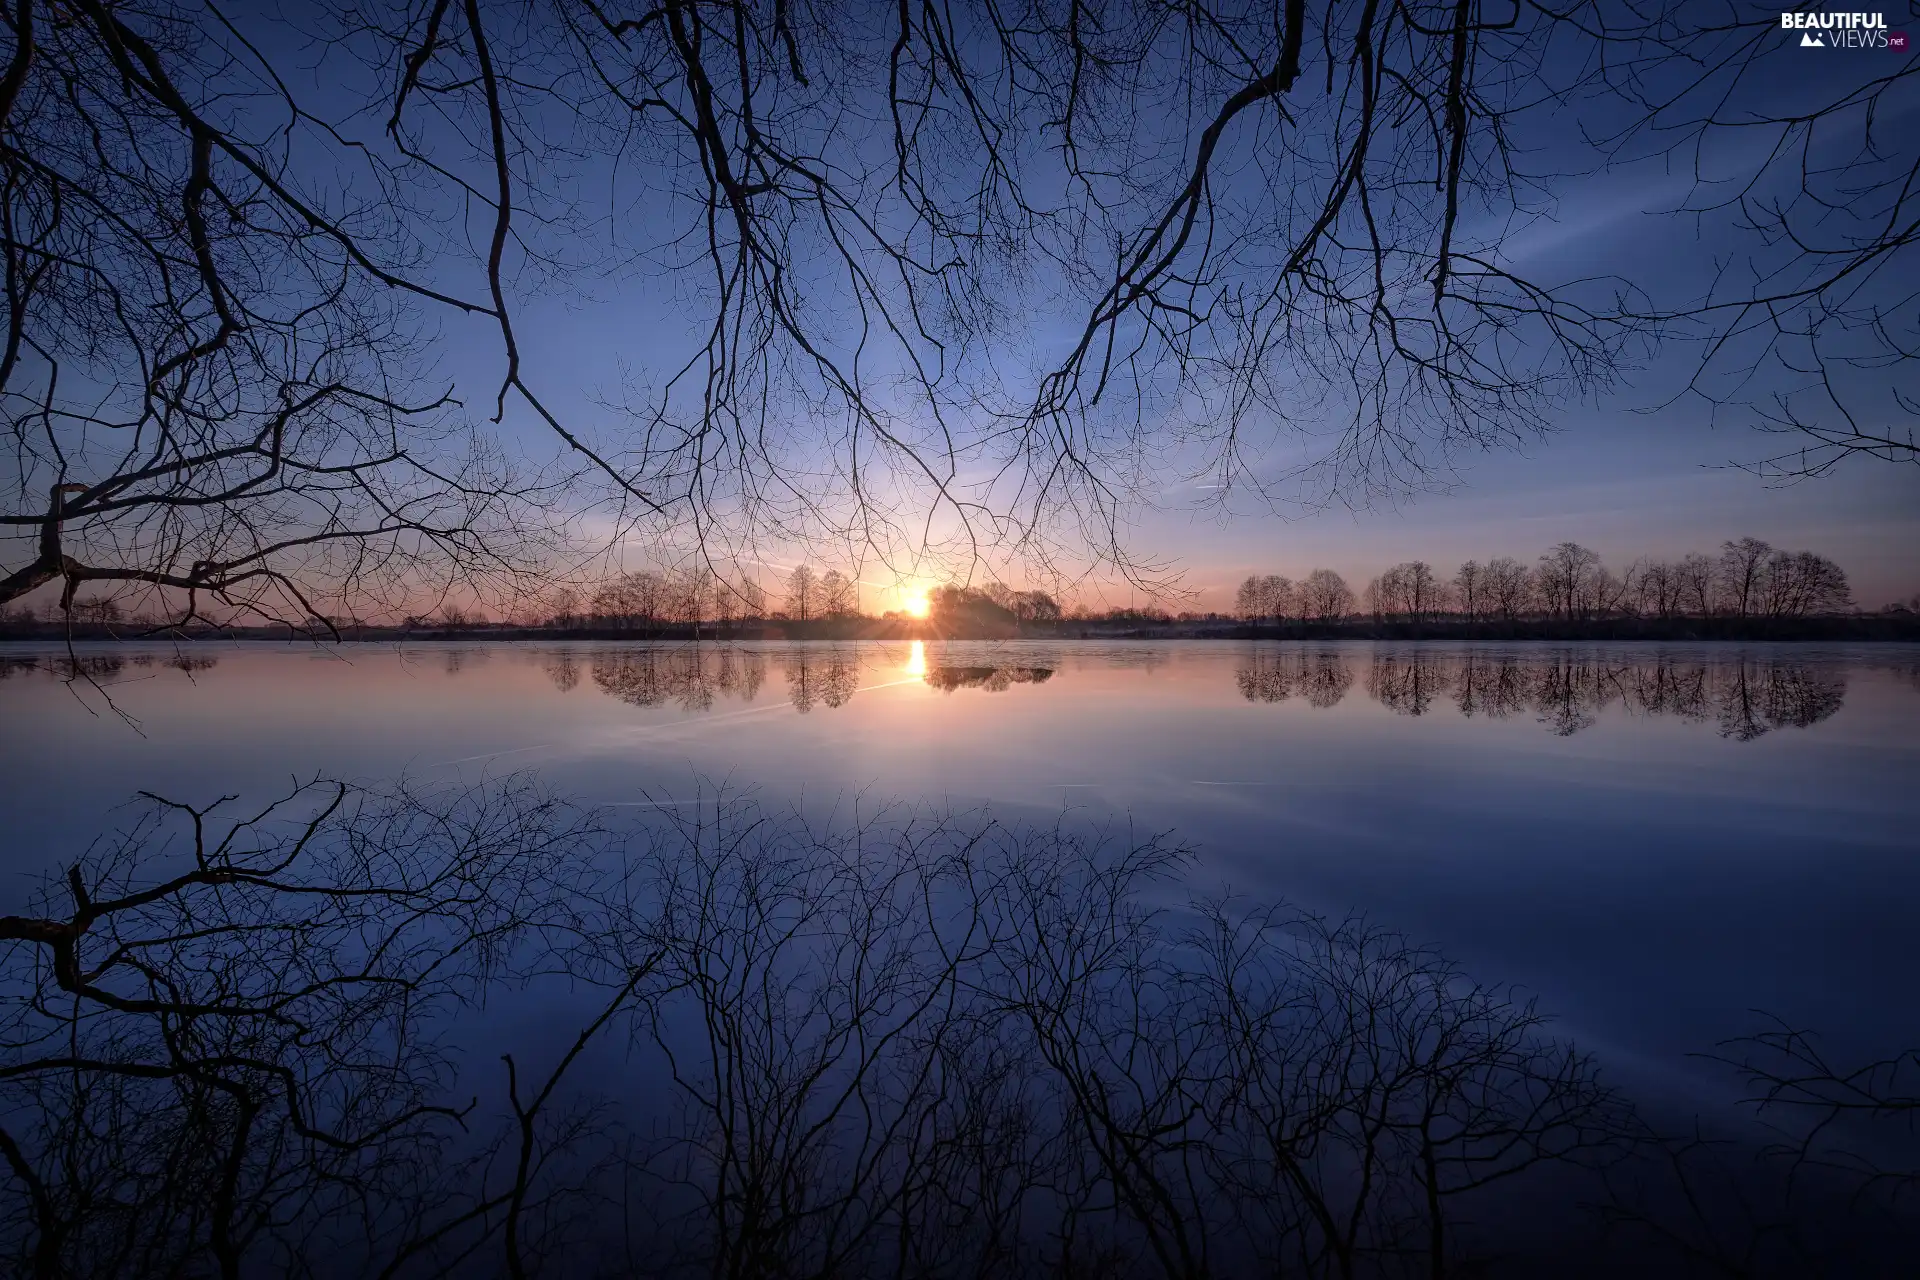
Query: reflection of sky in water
[[1654, 838]]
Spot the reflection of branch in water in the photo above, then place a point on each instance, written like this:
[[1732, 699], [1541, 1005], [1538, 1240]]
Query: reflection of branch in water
[[992, 679], [210, 1055], [1791, 1081], [926, 1045], [1567, 692], [1832, 1191], [921, 1044], [952, 1047]]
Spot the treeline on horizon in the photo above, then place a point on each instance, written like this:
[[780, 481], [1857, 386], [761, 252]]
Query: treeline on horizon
[[1749, 587], [1748, 579]]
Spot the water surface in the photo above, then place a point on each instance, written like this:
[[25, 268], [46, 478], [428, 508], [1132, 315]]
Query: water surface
[[1655, 839]]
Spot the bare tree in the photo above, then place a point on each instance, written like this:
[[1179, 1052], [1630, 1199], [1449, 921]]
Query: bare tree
[[1405, 591], [1267, 598], [753, 599], [1799, 584], [836, 594], [1509, 587], [563, 607], [1658, 588], [691, 596], [1277, 597], [1740, 571], [1247, 602], [1325, 596], [1563, 580], [207, 388], [1219, 209], [1470, 589], [1808, 303], [640, 600], [1695, 574], [222, 289], [803, 594]]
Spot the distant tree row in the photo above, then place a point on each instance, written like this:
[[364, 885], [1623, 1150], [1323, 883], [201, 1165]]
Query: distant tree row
[[1748, 579], [647, 600], [1321, 596]]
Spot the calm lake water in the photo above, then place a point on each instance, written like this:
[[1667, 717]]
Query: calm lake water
[[1654, 839]]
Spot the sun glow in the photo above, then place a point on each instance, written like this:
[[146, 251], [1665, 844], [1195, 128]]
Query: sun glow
[[917, 660], [916, 603]]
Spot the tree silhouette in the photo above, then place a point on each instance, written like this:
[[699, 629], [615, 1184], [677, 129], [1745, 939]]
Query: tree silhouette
[[1325, 596], [803, 593], [224, 288], [836, 594]]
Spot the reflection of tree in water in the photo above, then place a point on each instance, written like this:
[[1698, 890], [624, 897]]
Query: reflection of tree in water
[[100, 666], [1753, 698], [1567, 692], [204, 1064], [1496, 688], [694, 676], [1322, 677], [815, 675], [927, 1044], [1407, 686], [1668, 688], [992, 679], [564, 670], [92, 666], [461, 657]]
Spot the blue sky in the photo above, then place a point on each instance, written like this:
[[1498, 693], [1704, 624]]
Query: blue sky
[[1631, 472]]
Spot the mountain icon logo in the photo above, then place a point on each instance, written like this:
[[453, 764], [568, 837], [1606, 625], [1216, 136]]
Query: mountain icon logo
[[1808, 40]]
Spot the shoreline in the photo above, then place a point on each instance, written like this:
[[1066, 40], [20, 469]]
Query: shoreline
[[1886, 628]]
